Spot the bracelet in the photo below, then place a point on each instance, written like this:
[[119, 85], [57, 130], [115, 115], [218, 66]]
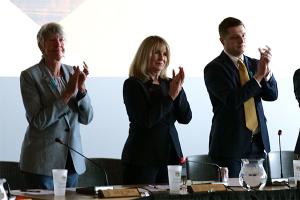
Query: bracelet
[[80, 94]]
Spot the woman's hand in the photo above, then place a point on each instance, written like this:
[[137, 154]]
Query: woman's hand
[[72, 85], [82, 77], [176, 83]]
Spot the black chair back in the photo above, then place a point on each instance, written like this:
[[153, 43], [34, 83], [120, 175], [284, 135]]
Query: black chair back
[[11, 172], [201, 168], [287, 158], [95, 176]]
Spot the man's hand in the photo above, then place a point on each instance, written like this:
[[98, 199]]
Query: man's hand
[[263, 67]]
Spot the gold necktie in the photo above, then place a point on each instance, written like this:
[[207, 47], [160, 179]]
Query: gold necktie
[[249, 105]]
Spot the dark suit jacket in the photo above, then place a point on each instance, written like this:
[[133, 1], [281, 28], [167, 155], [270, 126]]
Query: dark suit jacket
[[229, 136], [296, 81], [151, 129]]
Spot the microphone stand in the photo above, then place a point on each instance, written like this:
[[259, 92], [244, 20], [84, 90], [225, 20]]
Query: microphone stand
[[98, 166], [280, 157], [269, 180]]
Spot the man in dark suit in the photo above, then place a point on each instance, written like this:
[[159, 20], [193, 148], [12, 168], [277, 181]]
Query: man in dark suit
[[236, 82], [296, 81]]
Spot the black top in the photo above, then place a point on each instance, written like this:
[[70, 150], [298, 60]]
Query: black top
[[152, 114]]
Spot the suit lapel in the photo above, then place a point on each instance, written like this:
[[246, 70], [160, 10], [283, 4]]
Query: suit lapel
[[66, 72], [233, 71], [50, 82], [250, 66], [66, 75], [230, 68], [48, 79]]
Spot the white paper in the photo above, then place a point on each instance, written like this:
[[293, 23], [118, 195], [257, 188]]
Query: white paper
[[296, 166]]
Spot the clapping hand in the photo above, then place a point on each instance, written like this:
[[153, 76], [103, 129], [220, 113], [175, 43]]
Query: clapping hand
[[76, 82], [82, 77], [72, 85], [263, 67], [176, 83]]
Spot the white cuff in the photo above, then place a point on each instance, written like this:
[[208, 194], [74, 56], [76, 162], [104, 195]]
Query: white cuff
[[267, 78]]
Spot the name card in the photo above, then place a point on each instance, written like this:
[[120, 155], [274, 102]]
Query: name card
[[126, 192], [207, 188]]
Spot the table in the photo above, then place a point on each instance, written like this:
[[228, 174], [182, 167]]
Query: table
[[280, 194], [235, 193], [71, 194]]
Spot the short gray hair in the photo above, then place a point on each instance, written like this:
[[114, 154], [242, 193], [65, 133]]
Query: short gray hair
[[46, 31]]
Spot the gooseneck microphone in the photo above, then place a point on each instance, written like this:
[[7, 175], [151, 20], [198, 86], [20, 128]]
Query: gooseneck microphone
[[279, 134], [97, 165]]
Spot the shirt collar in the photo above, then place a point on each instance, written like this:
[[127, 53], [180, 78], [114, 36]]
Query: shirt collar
[[234, 58]]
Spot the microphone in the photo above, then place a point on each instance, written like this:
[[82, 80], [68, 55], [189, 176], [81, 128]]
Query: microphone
[[279, 134], [98, 166], [211, 164], [269, 179]]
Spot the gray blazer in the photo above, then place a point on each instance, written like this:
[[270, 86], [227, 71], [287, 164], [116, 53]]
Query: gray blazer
[[49, 118]]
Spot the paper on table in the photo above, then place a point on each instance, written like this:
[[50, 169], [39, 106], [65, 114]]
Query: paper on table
[[156, 188], [296, 166], [234, 182], [36, 192]]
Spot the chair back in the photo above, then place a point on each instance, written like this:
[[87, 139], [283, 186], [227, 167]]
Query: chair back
[[11, 172], [201, 168], [287, 158], [95, 176]]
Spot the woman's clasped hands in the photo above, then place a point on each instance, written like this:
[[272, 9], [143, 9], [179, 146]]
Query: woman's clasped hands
[[76, 82]]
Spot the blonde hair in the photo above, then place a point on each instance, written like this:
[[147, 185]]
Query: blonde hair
[[140, 63]]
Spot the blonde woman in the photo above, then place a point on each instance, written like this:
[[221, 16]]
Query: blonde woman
[[154, 103]]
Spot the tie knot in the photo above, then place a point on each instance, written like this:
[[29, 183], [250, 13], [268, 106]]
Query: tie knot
[[242, 66], [240, 62]]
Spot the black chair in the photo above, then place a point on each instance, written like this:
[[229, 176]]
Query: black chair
[[95, 176], [287, 158], [201, 168], [11, 172]]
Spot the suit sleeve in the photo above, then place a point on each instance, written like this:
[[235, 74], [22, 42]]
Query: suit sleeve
[[139, 107], [220, 83], [183, 111], [85, 110], [38, 115], [269, 89], [296, 81]]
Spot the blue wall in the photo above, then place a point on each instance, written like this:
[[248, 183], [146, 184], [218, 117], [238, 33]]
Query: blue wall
[[106, 135]]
